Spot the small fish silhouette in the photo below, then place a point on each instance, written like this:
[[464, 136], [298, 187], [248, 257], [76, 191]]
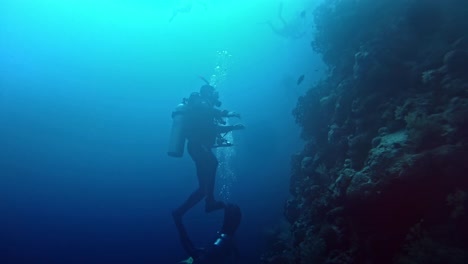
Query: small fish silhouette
[[300, 79]]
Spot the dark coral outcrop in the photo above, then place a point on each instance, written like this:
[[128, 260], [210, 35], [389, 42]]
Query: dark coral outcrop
[[383, 176]]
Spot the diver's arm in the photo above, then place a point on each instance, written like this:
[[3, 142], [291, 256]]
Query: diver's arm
[[225, 129], [226, 113]]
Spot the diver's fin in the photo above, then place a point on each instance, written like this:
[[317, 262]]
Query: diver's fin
[[188, 261]]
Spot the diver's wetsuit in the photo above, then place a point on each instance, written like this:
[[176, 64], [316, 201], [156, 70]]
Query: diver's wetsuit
[[223, 248], [202, 129]]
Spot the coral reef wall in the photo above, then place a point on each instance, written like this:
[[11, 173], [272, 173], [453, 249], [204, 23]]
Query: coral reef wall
[[383, 176]]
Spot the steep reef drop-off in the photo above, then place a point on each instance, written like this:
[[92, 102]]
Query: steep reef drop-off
[[383, 176]]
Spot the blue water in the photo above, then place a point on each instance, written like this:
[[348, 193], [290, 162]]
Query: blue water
[[86, 94]]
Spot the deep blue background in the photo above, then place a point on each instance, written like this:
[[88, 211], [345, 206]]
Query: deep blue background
[[86, 93]]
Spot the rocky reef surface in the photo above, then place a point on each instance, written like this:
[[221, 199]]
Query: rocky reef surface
[[383, 175]]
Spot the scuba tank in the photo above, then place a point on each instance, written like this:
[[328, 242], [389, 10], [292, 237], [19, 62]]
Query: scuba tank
[[177, 137], [178, 131]]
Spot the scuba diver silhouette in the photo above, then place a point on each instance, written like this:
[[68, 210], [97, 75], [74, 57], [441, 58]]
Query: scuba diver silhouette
[[223, 249], [184, 6], [294, 29], [198, 121]]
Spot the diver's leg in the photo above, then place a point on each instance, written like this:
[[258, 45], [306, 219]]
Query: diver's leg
[[280, 14], [278, 30], [273, 28], [196, 152], [191, 201], [174, 14], [211, 177], [212, 165]]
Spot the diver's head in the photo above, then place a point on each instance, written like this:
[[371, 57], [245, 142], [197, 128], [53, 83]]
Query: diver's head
[[209, 92]]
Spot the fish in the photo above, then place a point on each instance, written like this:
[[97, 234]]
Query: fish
[[300, 79]]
